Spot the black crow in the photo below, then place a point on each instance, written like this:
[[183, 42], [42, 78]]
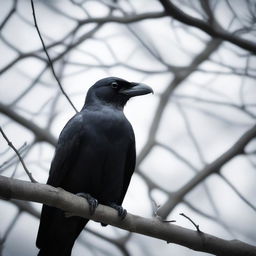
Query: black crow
[[95, 158]]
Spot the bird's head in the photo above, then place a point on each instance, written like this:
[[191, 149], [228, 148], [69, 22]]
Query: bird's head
[[115, 91]]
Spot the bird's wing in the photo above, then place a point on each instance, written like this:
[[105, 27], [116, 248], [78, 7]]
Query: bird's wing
[[129, 169], [65, 155], [66, 151]]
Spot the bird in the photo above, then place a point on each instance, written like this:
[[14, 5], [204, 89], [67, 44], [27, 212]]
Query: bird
[[94, 158]]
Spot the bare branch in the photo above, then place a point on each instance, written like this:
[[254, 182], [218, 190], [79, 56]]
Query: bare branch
[[196, 226], [49, 59], [57, 197], [180, 76], [9, 15], [9, 229], [119, 243], [124, 20], [214, 31], [19, 156], [41, 134], [9, 162], [211, 217], [214, 167], [237, 192]]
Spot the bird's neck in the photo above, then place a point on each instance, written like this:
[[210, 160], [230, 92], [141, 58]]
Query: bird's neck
[[93, 102], [96, 104]]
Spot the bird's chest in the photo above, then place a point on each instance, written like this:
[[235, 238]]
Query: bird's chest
[[110, 128], [117, 133]]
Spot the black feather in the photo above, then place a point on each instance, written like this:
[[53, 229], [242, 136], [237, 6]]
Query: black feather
[[96, 155]]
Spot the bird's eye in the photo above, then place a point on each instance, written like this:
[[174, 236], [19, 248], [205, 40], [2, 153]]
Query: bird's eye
[[114, 85]]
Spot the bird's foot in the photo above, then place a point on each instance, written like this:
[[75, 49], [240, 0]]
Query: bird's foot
[[93, 203], [121, 211]]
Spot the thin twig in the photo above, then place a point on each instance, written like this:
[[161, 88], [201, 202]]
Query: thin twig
[[211, 217], [12, 160], [10, 227], [49, 59], [214, 167], [237, 192], [9, 15], [156, 207], [196, 226], [19, 156]]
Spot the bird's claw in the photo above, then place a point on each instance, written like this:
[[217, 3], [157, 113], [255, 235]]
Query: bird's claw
[[93, 202], [121, 211]]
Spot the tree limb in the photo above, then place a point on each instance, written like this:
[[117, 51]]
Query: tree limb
[[40, 133], [123, 20], [49, 59], [214, 167], [214, 31], [57, 197], [19, 156], [9, 15]]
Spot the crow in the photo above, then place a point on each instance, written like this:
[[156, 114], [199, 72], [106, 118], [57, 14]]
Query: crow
[[94, 158]]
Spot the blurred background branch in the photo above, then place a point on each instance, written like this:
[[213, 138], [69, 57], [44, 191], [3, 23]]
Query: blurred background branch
[[195, 137]]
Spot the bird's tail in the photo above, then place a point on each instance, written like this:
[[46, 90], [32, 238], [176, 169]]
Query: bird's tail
[[57, 234], [56, 251], [53, 252]]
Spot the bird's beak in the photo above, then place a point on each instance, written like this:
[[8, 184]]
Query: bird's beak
[[136, 89]]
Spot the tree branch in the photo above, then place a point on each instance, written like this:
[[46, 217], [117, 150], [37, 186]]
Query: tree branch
[[124, 20], [40, 134], [9, 15], [19, 156], [57, 197], [195, 225], [214, 31], [49, 59], [179, 77], [214, 167]]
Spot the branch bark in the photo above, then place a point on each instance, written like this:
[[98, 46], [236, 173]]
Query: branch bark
[[57, 197]]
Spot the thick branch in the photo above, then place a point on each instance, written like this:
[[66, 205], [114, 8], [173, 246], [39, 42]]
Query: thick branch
[[124, 20], [23, 190], [214, 31]]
